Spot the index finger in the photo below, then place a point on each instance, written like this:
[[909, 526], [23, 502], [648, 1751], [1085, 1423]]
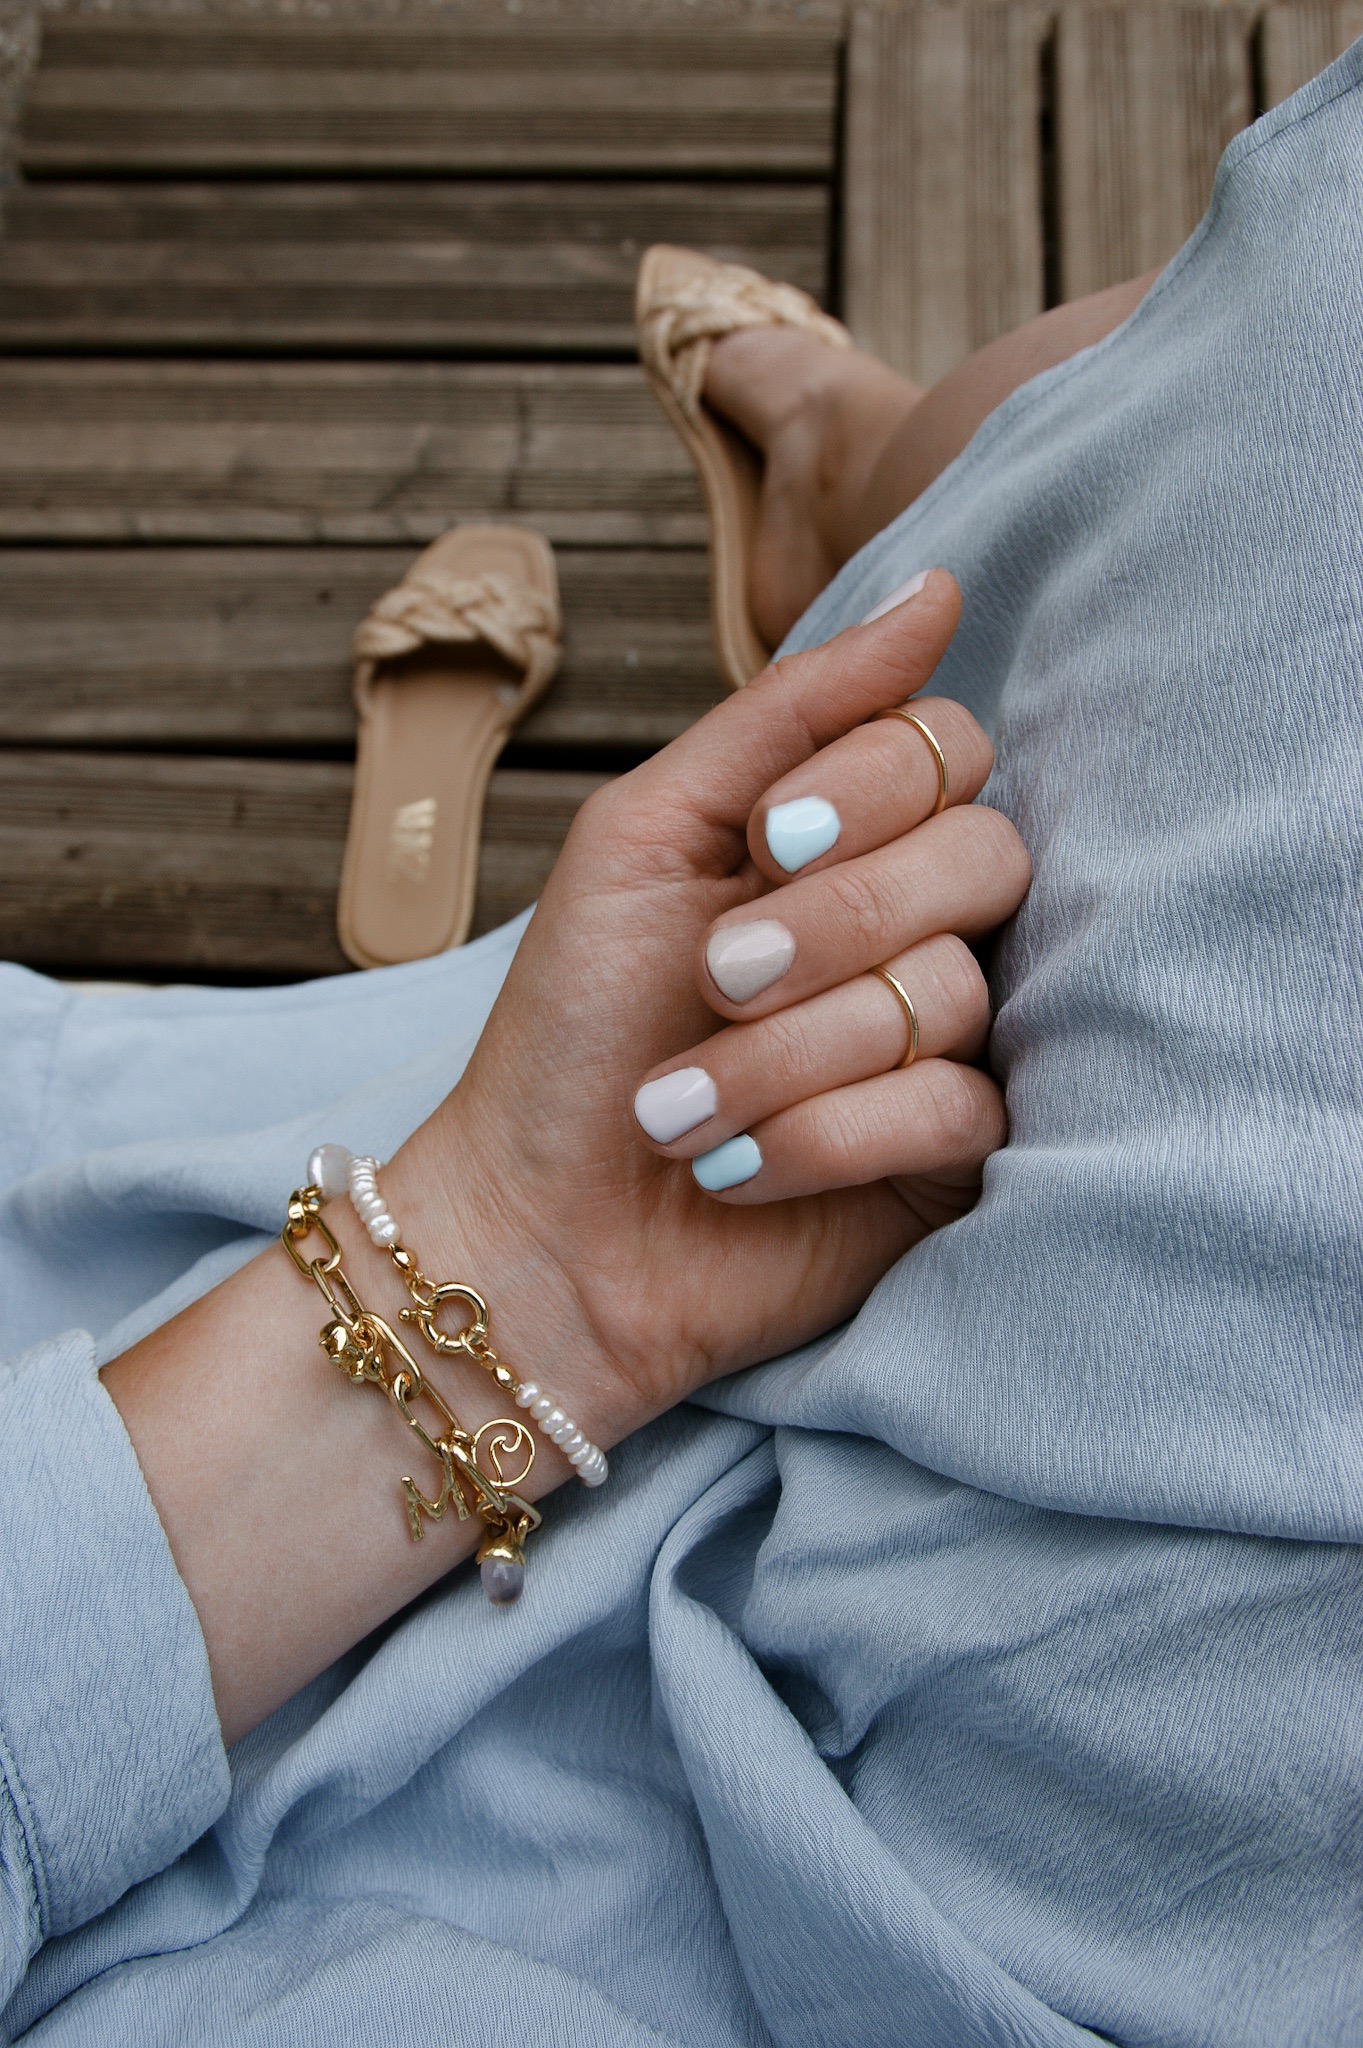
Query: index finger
[[700, 791]]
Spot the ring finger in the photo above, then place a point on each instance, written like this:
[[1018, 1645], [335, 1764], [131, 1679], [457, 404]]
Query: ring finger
[[847, 1034]]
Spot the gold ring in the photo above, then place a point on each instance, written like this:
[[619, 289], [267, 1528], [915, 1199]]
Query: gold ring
[[938, 756], [906, 1004]]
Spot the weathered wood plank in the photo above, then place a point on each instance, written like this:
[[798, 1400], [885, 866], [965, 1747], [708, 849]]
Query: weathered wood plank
[[228, 867], [1147, 99], [1298, 42], [127, 450], [388, 268], [942, 242], [194, 95], [241, 649]]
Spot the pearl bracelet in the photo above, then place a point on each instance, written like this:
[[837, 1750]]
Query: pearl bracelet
[[337, 1172]]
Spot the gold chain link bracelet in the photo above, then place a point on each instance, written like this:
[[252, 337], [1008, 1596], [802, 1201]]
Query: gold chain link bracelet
[[480, 1469]]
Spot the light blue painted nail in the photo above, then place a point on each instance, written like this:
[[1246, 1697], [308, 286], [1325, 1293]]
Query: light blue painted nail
[[729, 1165], [798, 832]]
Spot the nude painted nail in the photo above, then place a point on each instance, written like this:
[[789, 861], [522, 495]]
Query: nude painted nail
[[743, 959], [898, 597], [673, 1105], [729, 1165], [798, 832]]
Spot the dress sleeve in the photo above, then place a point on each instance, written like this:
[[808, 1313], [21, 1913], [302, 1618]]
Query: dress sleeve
[[111, 1757]]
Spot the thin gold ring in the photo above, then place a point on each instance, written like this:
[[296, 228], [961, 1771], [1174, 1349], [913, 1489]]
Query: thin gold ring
[[906, 1003], [938, 756]]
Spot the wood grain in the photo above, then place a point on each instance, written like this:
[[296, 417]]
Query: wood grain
[[162, 866], [1298, 42], [942, 243], [191, 96], [310, 452], [248, 649], [379, 268], [1146, 100]]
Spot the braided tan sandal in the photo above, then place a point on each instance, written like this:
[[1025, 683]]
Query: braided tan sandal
[[446, 664], [684, 303]]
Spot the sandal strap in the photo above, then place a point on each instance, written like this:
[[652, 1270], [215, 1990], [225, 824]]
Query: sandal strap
[[434, 609], [688, 311]]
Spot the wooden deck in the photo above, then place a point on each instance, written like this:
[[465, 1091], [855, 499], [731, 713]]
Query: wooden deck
[[281, 298]]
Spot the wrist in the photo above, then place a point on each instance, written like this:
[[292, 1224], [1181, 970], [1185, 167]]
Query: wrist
[[465, 1225]]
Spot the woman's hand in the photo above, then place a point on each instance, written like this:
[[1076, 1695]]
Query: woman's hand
[[612, 1273], [612, 1276]]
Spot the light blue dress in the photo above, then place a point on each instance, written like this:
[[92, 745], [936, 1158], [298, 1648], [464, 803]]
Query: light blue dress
[[987, 1675]]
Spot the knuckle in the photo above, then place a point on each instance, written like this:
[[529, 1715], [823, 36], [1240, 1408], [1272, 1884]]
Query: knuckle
[[963, 984], [968, 746], [857, 901], [780, 1045], [1003, 842], [846, 1141], [969, 1112]]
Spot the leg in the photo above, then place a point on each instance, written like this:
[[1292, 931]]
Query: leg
[[848, 443]]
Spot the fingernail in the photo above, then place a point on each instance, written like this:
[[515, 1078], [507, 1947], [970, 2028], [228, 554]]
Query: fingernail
[[898, 597], [670, 1107], [743, 959], [798, 832], [729, 1165]]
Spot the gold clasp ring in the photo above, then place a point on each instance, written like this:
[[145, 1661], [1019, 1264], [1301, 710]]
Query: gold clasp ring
[[471, 1339]]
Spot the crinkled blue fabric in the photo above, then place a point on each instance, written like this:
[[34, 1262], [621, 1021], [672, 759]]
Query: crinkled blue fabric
[[988, 1674]]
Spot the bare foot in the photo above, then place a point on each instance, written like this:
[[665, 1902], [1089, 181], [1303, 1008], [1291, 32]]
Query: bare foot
[[822, 418]]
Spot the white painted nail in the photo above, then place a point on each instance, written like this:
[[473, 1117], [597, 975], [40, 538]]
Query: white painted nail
[[729, 1165], [743, 959], [898, 597], [673, 1105], [798, 832]]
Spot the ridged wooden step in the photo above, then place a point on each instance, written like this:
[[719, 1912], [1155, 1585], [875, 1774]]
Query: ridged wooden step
[[384, 267], [248, 649], [187, 451], [169, 867], [259, 95]]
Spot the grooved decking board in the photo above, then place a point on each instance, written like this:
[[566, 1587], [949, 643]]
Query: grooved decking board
[[1298, 42], [263, 95], [248, 649], [942, 242], [380, 268], [226, 867], [1146, 100], [301, 452]]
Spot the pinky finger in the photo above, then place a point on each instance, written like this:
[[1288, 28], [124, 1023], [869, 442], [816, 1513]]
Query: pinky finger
[[935, 1120]]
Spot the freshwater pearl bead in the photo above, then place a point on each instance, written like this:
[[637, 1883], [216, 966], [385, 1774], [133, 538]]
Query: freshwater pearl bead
[[329, 1170], [541, 1407], [503, 1581], [555, 1419], [384, 1233], [572, 1442], [528, 1394]]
